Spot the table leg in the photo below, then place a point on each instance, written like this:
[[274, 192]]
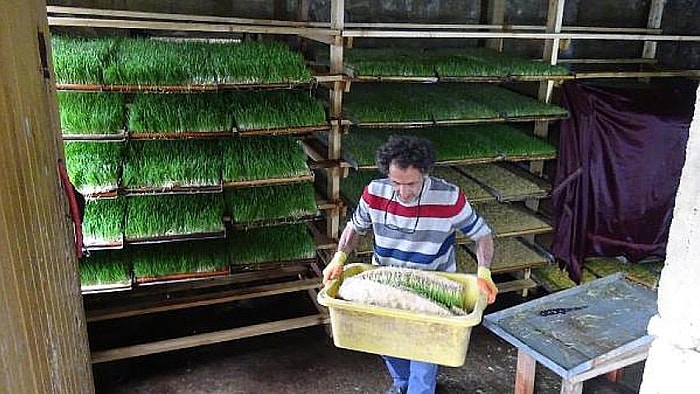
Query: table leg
[[569, 387], [525, 374]]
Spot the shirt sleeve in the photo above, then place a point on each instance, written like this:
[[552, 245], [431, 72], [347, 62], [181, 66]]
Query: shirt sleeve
[[361, 220], [468, 221]]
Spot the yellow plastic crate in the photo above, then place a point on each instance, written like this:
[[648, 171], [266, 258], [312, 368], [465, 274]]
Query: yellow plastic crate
[[400, 333]]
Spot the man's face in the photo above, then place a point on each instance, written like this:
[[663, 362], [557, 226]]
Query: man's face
[[407, 182]]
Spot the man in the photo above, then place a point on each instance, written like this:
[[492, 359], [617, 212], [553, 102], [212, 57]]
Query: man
[[413, 217]]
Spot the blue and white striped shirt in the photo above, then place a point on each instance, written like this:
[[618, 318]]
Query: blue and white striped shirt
[[419, 234]]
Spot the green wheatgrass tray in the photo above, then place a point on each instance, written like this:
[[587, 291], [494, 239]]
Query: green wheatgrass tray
[[506, 182], [159, 218], [248, 249], [80, 60], [261, 205], [471, 189], [351, 187], [105, 270], [509, 220], [265, 111], [454, 145], [509, 254], [92, 115], [263, 160], [401, 64], [161, 166], [140, 63], [94, 167], [466, 263], [180, 260], [413, 105], [637, 272], [103, 223], [552, 278], [181, 115], [390, 63]]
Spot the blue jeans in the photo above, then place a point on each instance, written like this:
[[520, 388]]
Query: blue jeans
[[416, 376]]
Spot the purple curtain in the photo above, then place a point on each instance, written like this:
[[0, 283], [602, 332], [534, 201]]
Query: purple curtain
[[621, 152]]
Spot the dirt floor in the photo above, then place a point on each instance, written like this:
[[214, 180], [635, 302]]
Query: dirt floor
[[301, 361]]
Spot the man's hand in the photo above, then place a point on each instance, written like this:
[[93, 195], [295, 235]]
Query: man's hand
[[335, 267], [486, 284]]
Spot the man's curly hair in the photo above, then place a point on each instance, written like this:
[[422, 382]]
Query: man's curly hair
[[406, 151]]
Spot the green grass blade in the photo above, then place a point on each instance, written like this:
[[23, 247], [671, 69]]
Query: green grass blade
[[105, 267], [270, 244], [277, 109], [157, 62], [256, 158], [94, 167], [172, 163], [271, 202], [192, 257], [173, 215], [181, 113], [91, 112], [80, 60], [104, 221]]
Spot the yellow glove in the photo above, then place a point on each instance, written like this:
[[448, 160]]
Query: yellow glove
[[486, 284], [335, 267]]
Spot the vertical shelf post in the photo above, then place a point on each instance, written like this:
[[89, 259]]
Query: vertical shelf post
[[336, 103], [496, 16], [656, 11], [555, 17], [550, 55]]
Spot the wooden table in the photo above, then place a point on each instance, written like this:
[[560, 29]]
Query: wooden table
[[579, 333]]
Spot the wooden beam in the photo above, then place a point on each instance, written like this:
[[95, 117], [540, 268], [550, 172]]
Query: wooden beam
[[324, 39], [186, 26], [607, 61], [656, 11], [638, 74], [206, 339], [337, 18], [496, 16], [569, 387], [495, 27], [515, 285], [614, 364], [219, 297], [525, 374], [59, 10], [515, 35], [138, 293], [550, 55]]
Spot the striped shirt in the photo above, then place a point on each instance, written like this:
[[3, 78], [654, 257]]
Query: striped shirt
[[419, 234]]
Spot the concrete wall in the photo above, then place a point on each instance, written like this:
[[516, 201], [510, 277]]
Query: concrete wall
[[674, 358]]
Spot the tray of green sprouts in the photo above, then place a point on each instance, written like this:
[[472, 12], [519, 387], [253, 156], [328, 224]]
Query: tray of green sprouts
[[432, 313]]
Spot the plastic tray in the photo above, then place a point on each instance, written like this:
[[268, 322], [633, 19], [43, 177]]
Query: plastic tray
[[400, 333]]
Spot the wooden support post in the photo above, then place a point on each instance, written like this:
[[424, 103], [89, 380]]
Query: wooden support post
[[555, 18], [336, 104], [656, 11], [527, 273], [525, 374], [569, 387], [496, 16]]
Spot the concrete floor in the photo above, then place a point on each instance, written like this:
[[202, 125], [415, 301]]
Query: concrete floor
[[305, 361]]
